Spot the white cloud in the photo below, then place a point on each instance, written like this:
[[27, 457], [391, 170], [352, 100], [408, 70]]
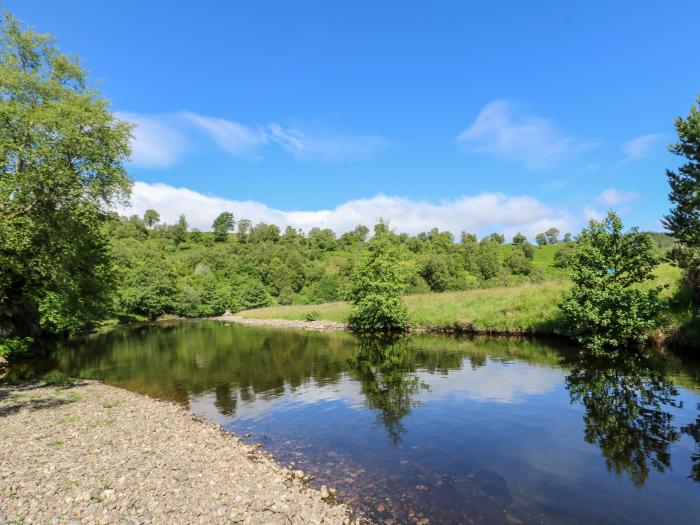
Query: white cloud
[[639, 147], [613, 197], [158, 139], [482, 213], [330, 148], [533, 141], [237, 139], [610, 199], [163, 139]]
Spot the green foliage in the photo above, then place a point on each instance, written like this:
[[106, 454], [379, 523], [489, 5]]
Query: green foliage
[[489, 261], [250, 294], [376, 286], [14, 346], [605, 310], [286, 296], [151, 218], [61, 165], [541, 239], [519, 238], [552, 236], [519, 263], [313, 315], [683, 221], [222, 225], [150, 290]]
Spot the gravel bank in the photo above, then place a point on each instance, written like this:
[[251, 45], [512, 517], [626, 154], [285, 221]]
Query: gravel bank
[[325, 326], [91, 453]]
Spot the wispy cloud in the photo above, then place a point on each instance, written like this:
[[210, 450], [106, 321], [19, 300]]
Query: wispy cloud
[[482, 213], [164, 139], [158, 141], [639, 147], [234, 138], [327, 148], [534, 141], [610, 199]]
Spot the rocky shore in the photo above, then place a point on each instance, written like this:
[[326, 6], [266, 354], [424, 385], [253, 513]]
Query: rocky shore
[[91, 453], [324, 326]]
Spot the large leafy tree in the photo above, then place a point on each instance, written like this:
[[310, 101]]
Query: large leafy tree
[[61, 166], [605, 309], [683, 221]]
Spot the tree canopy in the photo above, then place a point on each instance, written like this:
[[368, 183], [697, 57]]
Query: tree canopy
[[61, 156], [683, 220]]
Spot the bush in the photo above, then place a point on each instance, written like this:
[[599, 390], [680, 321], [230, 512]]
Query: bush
[[518, 263], [605, 310], [312, 316], [14, 345], [286, 296], [376, 287], [250, 294]]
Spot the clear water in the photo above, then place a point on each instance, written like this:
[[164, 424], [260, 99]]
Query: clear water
[[426, 427]]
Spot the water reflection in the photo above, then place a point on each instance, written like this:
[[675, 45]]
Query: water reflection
[[693, 430], [628, 402], [454, 430], [385, 368]]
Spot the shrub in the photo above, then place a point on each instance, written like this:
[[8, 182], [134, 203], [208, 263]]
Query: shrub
[[312, 316], [518, 263], [250, 294], [605, 310], [376, 287], [286, 296], [14, 346]]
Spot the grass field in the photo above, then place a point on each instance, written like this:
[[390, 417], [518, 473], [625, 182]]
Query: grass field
[[528, 308]]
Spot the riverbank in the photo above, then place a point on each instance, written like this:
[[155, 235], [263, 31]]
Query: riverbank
[[91, 453], [529, 309]]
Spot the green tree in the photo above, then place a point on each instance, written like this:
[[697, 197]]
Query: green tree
[[541, 239], [497, 238], [467, 238], [518, 263], [568, 238], [376, 286], [151, 218], [605, 310], [250, 294], [150, 289], [683, 221], [222, 225], [244, 227], [552, 236], [488, 259], [519, 238], [61, 166]]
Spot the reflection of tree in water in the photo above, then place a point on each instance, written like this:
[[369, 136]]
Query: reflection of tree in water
[[627, 416], [386, 372], [693, 430]]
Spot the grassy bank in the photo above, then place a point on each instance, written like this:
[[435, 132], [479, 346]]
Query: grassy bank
[[528, 308]]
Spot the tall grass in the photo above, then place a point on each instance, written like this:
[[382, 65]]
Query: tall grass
[[528, 308]]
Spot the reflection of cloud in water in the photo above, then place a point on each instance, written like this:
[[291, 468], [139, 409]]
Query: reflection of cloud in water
[[496, 382]]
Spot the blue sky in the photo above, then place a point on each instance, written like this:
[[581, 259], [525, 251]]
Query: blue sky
[[480, 116]]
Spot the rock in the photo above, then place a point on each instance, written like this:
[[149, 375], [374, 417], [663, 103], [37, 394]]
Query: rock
[[165, 465]]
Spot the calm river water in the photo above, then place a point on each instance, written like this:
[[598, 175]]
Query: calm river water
[[430, 429]]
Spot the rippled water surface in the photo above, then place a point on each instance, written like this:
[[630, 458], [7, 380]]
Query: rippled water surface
[[430, 429]]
